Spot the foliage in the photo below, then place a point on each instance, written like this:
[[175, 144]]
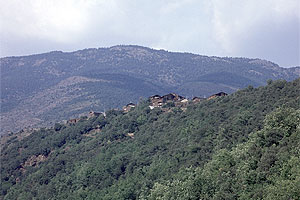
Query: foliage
[[256, 169], [241, 146]]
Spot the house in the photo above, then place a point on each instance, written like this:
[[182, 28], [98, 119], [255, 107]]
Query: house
[[197, 99], [184, 101], [155, 97], [172, 97], [94, 114], [217, 95], [128, 107], [159, 101], [156, 101], [72, 121]]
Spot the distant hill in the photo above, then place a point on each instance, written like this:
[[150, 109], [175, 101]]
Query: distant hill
[[45, 88], [241, 146]]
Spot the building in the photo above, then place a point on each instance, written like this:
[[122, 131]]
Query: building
[[94, 114], [159, 101], [128, 107], [156, 101], [197, 99], [217, 95], [172, 97], [72, 121]]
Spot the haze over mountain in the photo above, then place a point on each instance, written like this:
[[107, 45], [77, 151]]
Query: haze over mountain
[[44, 88]]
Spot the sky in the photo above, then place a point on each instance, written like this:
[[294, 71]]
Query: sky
[[266, 29]]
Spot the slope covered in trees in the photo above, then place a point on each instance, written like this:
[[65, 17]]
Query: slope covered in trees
[[267, 166], [53, 86], [241, 146]]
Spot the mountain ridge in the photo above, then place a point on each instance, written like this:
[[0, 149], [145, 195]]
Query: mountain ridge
[[124, 73]]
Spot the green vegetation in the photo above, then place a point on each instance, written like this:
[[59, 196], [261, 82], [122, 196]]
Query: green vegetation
[[267, 166], [241, 146]]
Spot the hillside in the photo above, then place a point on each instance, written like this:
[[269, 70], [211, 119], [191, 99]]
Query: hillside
[[46, 88], [241, 146]]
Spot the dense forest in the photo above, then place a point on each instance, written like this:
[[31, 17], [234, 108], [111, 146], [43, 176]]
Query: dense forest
[[242, 146]]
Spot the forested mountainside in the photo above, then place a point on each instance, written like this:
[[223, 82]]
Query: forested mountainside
[[43, 88], [241, 146]]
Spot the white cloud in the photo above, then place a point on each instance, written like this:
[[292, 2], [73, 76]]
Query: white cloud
[[234, 20], [57, 20], [213, 27]]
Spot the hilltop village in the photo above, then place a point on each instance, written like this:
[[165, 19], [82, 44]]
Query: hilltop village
[[171, 100], [164, 102]]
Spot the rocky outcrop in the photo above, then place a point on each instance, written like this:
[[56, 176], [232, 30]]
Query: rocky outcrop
[[34, 160]]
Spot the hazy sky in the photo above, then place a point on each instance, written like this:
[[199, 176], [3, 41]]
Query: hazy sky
[[267, 29]]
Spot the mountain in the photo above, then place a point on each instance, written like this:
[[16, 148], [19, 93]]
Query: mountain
[[46, 88], [241, 146]]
